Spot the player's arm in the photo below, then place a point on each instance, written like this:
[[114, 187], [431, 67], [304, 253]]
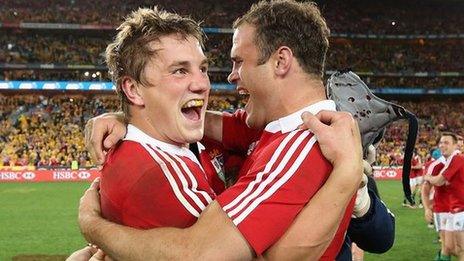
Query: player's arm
[[438, 180], [375, 230], [213, 236], [310, 235], [102, 133], [426, 202]]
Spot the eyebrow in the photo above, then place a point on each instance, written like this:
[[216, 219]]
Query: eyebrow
[[188, 63]]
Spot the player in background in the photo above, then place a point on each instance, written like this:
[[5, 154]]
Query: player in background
[[416, 178], [449, 197], [433, 213]]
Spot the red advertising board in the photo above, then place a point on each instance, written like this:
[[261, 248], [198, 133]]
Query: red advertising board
[[89, 175], [48, 175], [388, 173]]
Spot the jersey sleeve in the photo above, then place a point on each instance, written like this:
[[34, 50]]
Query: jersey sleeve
[[264, 202], [236, 135], [453, 168]]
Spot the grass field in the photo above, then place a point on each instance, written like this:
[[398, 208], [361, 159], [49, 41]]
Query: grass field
[[40, 219]]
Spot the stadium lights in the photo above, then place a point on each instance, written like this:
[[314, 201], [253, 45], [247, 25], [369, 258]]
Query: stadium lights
[[393, 23], [98, 73], [86, 74], [94, 75]]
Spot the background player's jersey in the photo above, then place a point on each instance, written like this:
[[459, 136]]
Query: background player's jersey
[[284, 170], [147, 183], [454, 174], [440, 197]]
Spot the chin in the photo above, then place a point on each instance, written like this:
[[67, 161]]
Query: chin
[[254, 124], [193, 136]]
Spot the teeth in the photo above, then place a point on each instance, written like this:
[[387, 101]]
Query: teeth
[[242, 92], [193, 103]]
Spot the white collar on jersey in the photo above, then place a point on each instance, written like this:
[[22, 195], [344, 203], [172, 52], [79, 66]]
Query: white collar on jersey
[[441, 159], [292, 121], [137, 135]]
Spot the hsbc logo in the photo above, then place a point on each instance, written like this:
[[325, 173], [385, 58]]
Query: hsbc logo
[[391, 173], [28, 175], [84, 175]]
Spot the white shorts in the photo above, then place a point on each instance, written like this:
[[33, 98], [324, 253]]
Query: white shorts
[[443, 221], [458, 221], [416, 181]]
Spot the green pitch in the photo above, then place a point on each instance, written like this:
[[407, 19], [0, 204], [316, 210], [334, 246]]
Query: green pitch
[[40, 219]]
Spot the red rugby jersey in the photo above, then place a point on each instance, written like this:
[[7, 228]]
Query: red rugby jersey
[[148, 183], [284, 170], [440, 197], [454, 174]]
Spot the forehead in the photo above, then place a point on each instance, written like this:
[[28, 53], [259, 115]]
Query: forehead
[[447, 139], [243, 40], [177, 48]]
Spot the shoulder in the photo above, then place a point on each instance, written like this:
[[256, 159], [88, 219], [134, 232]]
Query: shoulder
[[132, 159], [128, 152]]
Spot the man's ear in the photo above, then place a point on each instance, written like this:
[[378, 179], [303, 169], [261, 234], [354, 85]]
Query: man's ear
[[131, 89], [283, 60]]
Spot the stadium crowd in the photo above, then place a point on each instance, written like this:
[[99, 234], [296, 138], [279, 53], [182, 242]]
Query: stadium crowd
[[381, 57], [360, 54], [350, 16], [46, 131], [434, 117]]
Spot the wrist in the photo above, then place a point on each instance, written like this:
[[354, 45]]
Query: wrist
[[349, 174], [362, 203], [89, 225]]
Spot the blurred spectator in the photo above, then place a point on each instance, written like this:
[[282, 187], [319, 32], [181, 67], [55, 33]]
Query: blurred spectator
[[46, 131]]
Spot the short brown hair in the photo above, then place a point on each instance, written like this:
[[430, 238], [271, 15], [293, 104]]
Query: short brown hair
[[451, 134], [299, 26], [128, 54]]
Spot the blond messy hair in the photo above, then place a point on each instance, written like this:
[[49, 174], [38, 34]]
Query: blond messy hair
[[129, 53]]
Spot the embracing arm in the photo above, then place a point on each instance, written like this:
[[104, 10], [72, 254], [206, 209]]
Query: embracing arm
[[375, 231], [425, 195], [213, 236], [438, 180], [102, 133], [310, 235]]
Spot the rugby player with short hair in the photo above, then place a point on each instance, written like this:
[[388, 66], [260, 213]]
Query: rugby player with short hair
[[449, 197], [416, 178]]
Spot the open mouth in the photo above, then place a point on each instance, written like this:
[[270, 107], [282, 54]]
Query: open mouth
[[244, 95], [192, 109]]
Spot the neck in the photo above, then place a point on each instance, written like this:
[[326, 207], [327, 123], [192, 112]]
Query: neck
[[451, 154], [144, 124], [298, 95]]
